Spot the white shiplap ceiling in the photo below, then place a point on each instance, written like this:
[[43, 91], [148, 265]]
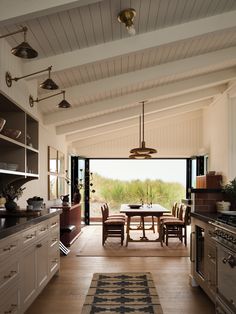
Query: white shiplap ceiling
[[182, 56]]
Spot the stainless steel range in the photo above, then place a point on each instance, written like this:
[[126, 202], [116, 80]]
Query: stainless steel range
[[225, 236]]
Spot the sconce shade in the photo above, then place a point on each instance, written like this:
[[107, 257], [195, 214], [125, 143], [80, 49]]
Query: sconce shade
[[64, 104], [49, 84], [24, 50]]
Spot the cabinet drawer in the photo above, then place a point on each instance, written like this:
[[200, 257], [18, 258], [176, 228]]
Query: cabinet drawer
[[54, 223], [9, 246], [29, 236], [54, 260], [9, 272], [42, 229], [10, 301], [54, 238]]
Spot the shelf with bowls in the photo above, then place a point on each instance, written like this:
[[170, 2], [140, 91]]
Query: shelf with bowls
[[18, 143]]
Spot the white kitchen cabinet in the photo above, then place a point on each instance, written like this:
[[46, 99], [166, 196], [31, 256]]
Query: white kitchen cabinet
[[28, 260]]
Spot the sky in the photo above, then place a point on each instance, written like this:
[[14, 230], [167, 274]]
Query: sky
[[168, 170]]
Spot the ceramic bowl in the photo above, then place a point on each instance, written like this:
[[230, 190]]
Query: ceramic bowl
[[12, 133], [2, 123]]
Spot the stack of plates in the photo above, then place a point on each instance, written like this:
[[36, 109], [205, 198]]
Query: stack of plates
[[12, 167]]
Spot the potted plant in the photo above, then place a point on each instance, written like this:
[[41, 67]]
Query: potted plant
[[11, 193], [229, 190]]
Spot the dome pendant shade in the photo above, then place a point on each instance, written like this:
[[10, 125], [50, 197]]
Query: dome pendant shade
[[140, 156], [24, 50], [143, 150], [49, 84]]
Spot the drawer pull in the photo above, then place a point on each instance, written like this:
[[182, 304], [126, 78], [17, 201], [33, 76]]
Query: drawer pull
[[54, 224], [13, 306], [29, 236], [43, 229], [12, 273], [39, 245], [12, 246], [55, 260], [54, 240], [6, 249]]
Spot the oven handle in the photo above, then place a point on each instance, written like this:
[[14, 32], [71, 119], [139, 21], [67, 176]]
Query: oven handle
[[191, 247]]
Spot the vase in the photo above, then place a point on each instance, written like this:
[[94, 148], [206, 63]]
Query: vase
[[76, 197], [10, 205]]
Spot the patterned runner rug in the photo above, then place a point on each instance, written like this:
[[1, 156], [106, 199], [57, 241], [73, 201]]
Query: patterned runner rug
[[122, 293]]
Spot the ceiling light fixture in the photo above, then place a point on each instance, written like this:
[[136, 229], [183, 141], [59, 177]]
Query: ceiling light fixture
[[127, 17], [23, 50], [47, 84], [142, 152], [63, 104]]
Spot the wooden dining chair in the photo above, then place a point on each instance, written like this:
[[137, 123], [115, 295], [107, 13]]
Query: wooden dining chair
[[111, 227], [109, 215], [177, 226]]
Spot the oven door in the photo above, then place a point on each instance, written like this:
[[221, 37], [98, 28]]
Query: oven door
[[226, 264]]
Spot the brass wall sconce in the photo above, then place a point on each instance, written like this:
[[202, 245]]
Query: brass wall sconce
[[62, 104], [23, 50], [142, 152], [47, 84], [127, 17]]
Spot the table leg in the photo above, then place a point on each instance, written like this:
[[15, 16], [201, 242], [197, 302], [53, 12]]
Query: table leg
[[143, 238], [127, 231]]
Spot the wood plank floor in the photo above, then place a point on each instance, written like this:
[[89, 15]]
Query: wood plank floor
[[66, 293]]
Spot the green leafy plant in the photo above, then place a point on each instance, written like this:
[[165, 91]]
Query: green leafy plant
[[230, 189]]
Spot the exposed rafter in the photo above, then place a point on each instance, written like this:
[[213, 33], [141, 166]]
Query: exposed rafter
[[149, 124], [136, 43], [133, 122], [16, 11], [177, 88], [150, 108]]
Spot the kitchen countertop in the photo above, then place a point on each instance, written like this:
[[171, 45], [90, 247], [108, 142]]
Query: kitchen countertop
[[205, 216], [12, 223]]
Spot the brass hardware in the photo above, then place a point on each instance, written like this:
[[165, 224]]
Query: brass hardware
[[39, 245], [48, 84], [63, 104], [23, 50], [127, 17], [141, 152]]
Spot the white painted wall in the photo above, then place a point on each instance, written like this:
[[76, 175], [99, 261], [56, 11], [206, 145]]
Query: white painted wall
[[178, 136], [19, 93], [215, 135]]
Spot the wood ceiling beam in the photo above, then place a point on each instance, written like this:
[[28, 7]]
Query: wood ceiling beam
[[134, 44], [168, 90], [132, 123], [16, 11], [132, 112], [150, 123]]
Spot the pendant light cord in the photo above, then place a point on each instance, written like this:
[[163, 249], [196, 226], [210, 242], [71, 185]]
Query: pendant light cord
[[143, 119]]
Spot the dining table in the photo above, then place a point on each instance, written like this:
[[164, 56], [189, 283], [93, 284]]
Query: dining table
[[142, 211]]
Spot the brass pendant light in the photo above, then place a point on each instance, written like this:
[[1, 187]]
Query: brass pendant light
[[23, 50], [142, 152]]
